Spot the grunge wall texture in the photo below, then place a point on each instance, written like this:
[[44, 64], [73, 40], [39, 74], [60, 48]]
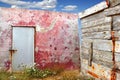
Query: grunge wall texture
[[56, 39], [100, 47]]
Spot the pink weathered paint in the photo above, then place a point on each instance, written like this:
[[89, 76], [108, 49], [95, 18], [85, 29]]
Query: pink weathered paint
[[57, 38]]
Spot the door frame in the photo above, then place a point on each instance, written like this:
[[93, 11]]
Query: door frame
[[13, 51]]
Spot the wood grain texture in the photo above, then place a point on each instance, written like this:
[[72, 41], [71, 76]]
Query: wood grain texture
[[98, 28], [105, 45], [97, 22], [112, 11], [94, 9], [116, 22], [114, 2], [98, 35]]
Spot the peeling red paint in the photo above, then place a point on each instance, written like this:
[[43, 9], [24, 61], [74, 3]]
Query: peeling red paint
[[7, 64], [46, 20], [5, 39], [55, 43], [76, 49]]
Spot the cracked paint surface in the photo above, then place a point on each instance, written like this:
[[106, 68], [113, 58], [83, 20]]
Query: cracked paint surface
[[57, 40]]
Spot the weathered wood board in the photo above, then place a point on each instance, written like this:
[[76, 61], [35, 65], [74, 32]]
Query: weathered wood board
[[94, 9], [113, 10], [98, 35], [116, 22], [117, 46], [114, 2], [102, 55], [93, 17], [98, 28], [105, 45], [86, 43], [97, 22]]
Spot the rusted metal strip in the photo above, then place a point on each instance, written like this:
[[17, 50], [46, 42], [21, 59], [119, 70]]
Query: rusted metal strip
[[108, 3], [93, 74], [113, 72]]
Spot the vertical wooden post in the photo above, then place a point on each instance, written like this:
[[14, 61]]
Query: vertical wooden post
[[90, 54]]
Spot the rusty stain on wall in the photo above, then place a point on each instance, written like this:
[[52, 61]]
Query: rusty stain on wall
[[95, 24], [113, 73], [57, 38], [93, 74], [107, 2]]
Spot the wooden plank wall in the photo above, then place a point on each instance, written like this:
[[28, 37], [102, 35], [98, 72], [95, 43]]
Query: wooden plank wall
[[96, 30], [97, 41], [114, 12]]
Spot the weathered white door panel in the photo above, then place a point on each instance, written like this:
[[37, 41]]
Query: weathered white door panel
[[23, 42]]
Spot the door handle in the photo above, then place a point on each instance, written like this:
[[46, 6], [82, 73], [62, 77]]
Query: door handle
[[12, 50]]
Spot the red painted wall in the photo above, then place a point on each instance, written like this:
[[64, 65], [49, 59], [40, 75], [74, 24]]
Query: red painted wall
[[57, 40]]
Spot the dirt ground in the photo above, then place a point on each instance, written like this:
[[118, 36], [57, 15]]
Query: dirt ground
[[68, 75]]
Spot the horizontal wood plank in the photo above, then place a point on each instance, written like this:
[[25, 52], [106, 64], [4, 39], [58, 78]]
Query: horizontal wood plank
[[97, 22], [93, 17], [98, 61], [116, 22], [86, 43], [99, 54], [94, 9], [114, 2], [102, 55], [97, 35], [98, 28], [104, 63], [117, 57], [117, 46], [105, 45], [112, 11]]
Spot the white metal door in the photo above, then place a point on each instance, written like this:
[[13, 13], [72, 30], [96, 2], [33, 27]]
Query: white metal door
[[23, 42]]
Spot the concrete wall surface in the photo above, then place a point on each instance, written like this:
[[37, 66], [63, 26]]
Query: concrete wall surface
[[56, 36]]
